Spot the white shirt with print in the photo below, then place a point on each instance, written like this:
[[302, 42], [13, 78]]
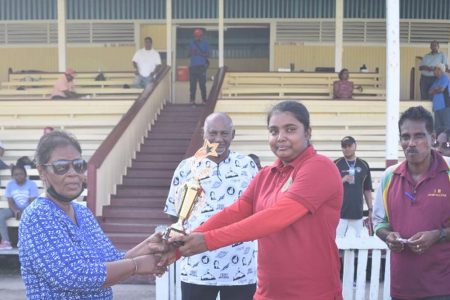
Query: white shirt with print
[[222, 184]]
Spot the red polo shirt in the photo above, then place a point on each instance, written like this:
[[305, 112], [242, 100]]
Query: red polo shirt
[[299, 260]]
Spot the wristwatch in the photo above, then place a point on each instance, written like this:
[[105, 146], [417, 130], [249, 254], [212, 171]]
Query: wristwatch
[[442, 235]]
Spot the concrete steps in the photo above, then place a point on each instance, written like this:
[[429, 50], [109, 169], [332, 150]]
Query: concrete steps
[[137, 207]]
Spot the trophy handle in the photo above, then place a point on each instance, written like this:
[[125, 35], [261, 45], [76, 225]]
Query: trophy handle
[[174, 230]]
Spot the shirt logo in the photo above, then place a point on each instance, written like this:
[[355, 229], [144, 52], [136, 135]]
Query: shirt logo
[[437, 193], [287, 185]]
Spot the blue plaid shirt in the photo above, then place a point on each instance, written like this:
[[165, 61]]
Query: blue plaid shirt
[[60, 259]]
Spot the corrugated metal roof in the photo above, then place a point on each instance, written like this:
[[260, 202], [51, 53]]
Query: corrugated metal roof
[[116, 9], [27, 9], [425, 9], [207, 9], [279, 9]]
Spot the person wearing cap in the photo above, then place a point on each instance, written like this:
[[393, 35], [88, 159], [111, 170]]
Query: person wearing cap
[[427, 66], [146, 62], [438, 91], [357, 181], [64, 86], [3, 165], [198, 53]]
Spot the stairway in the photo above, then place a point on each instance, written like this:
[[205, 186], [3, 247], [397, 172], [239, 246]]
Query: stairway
[[137, 208]]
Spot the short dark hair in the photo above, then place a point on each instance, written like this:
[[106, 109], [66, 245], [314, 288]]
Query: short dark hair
[[18, 167], [51, 141], [417, 113], [342, 73], [25, 161], [445, 131], [147, 38], [297, 109]]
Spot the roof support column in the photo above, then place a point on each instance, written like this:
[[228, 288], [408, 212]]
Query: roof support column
[[338, 38], [62, 51], [392, 79], [221, 32], [169, 32]]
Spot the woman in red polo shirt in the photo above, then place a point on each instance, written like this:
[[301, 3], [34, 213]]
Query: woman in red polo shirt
[[292, 207]]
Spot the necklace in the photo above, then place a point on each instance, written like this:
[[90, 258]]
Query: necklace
[[351, 164]]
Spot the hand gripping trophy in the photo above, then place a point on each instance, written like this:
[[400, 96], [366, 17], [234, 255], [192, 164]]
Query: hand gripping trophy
[[190, 191]]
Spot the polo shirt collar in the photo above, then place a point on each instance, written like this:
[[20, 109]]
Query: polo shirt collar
[[438, 165], [278, 165]]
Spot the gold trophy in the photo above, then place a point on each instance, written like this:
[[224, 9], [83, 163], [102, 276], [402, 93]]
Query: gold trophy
[[190, 191]]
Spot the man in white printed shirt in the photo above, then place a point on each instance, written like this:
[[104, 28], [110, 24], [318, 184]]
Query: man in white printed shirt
[[229, 270]]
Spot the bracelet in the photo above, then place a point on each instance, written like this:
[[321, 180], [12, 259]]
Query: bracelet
[[135, 265], [369, 209]]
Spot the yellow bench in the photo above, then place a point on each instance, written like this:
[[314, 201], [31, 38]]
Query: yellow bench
[[23, 77], [64, 108], [77, 82], [304, 85], [92, 92]]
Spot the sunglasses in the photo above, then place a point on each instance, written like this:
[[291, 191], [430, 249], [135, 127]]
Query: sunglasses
[[443, 145], [61, 167]]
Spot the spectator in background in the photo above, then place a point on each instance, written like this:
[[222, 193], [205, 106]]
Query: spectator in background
[[198, 53], [343, 88], [357, 182], [26, 162], [19, 192], [442, 144], [64, 86], [429, 62], [412, 213], [256, 160], [437, 90], [3, 165], [48, 129], [146, 62]]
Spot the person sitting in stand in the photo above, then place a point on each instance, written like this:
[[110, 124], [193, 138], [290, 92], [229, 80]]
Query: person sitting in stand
[[64, 86], [19, 192], [47, 129], [3, 165], [343, 88]]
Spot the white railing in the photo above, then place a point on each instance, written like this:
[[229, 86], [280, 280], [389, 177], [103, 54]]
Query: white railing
[[110, 173], [361, 249], [168, 286]]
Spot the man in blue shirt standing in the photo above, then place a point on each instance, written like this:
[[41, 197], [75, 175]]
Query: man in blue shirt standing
[[429, 61], [437, 91], [198, 53]]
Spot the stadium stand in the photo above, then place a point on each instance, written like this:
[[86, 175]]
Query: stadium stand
[[22, 122], [330, 121], [40, 85], [302, 84]]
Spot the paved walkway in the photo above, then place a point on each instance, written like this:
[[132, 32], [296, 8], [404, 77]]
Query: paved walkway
[[12, 288]]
